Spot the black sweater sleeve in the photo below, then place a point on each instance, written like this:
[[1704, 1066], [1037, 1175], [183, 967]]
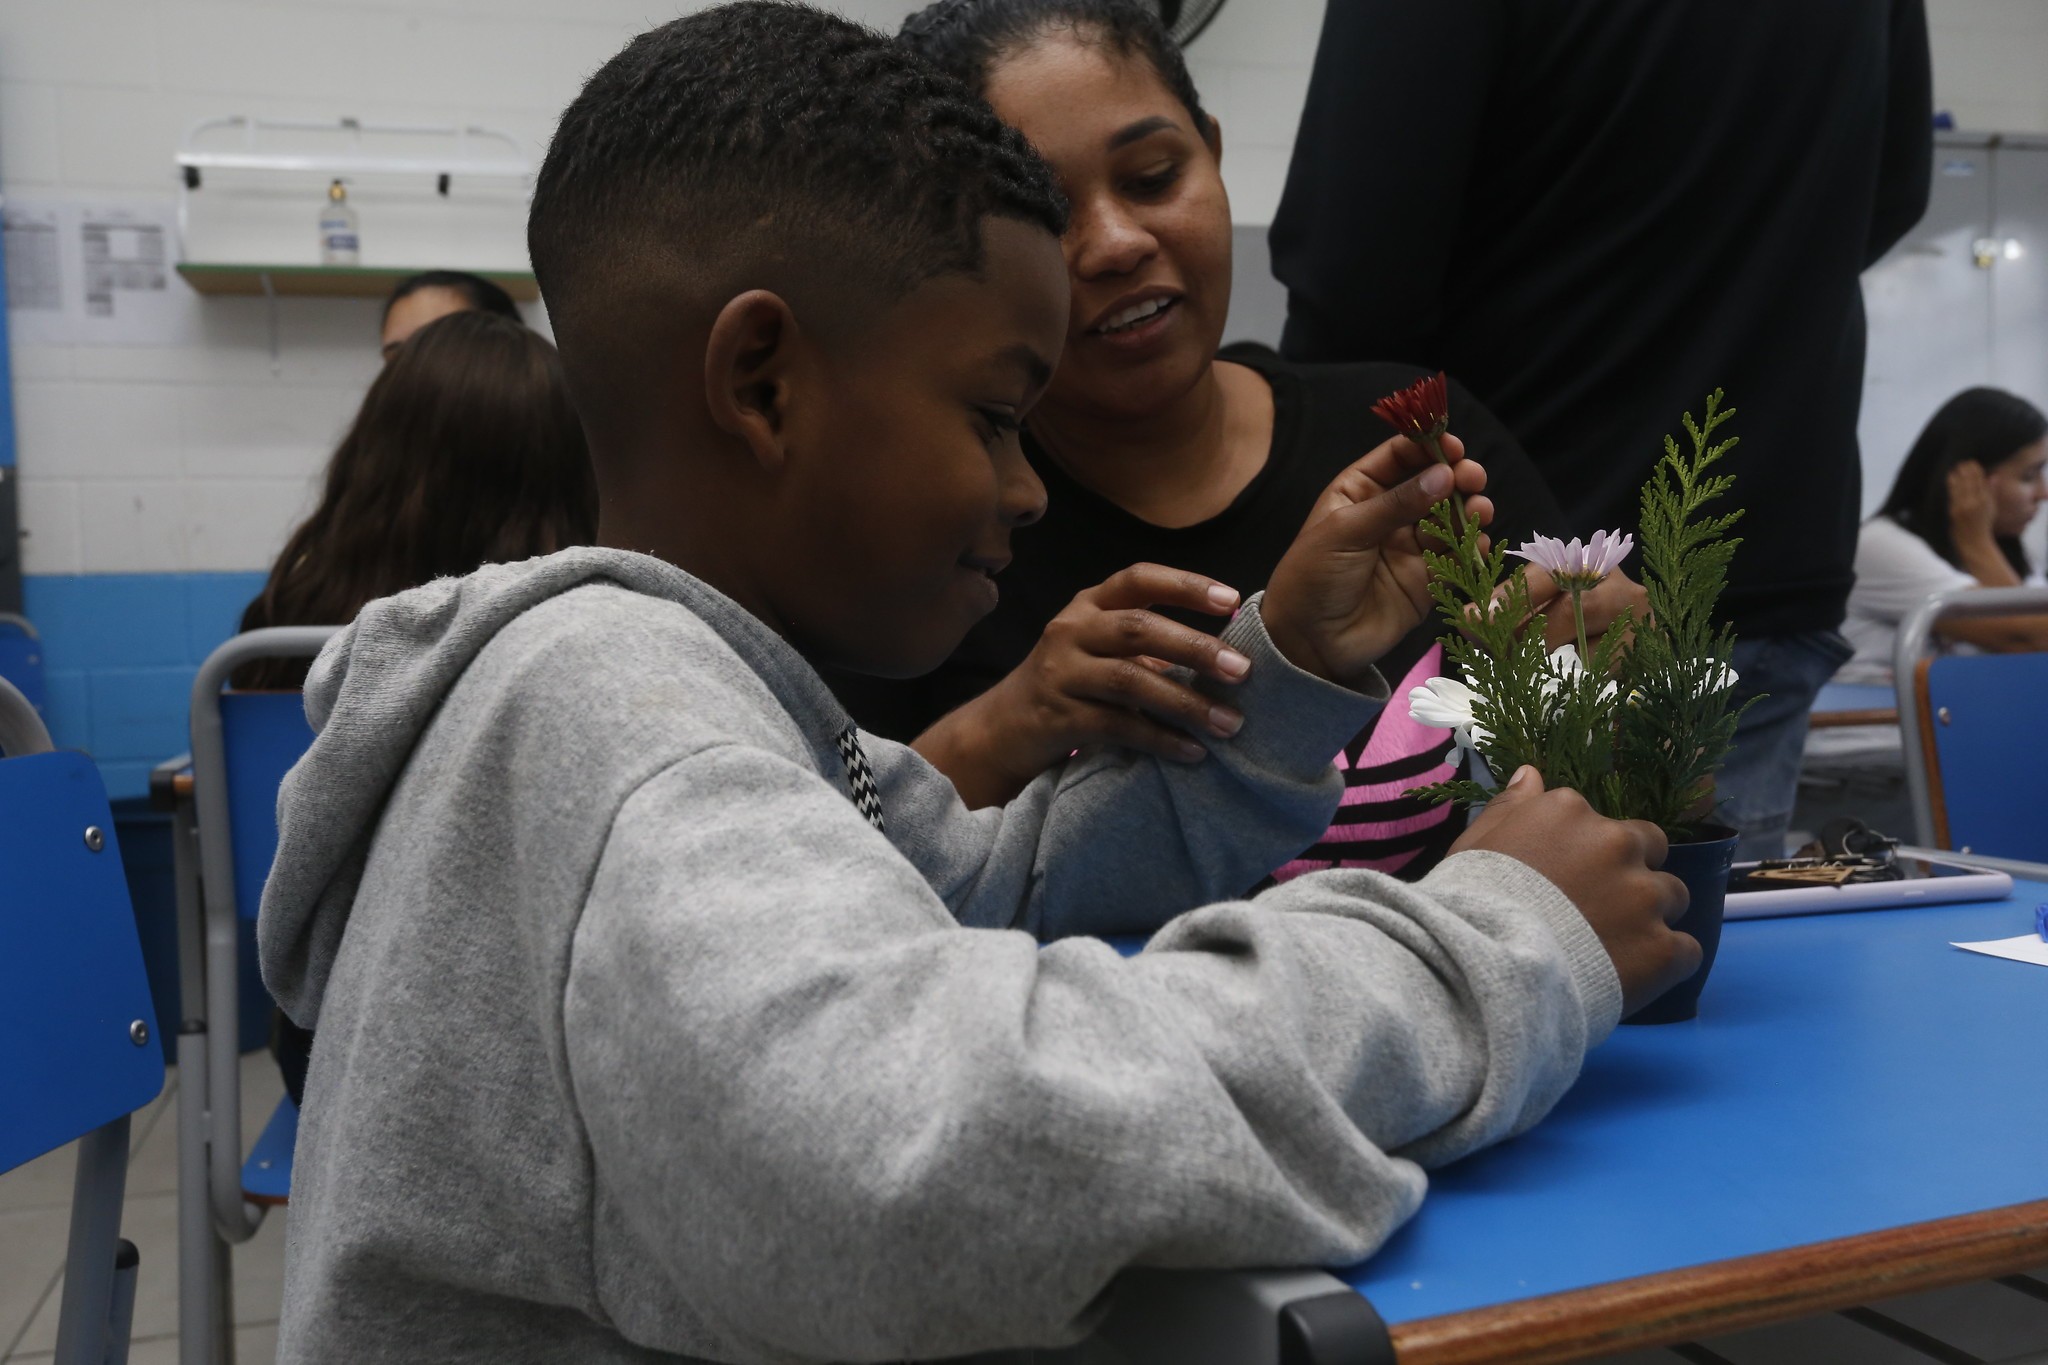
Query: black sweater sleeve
[[1363, 235], [1906, 172]]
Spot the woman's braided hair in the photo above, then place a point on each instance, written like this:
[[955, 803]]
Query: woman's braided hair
[[968, 37]]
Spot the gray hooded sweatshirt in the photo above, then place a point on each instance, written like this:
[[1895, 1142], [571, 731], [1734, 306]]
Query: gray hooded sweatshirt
[[638, 1041]]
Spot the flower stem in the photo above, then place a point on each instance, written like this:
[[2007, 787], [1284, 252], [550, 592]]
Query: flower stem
[[1579, 619], [1429, 439]]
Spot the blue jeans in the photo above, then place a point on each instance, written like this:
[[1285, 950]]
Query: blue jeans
[[1758, 785]]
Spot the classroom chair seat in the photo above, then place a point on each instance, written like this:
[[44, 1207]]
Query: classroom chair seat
[[267, 1174]]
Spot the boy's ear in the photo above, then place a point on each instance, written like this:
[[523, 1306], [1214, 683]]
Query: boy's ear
[[747, 370]]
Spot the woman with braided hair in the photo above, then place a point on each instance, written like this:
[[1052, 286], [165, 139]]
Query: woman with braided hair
[[1172, 470]]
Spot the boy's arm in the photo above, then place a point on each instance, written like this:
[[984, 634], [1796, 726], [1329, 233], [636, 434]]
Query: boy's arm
[[828, 1124], [1119, 842], [1352, 584]]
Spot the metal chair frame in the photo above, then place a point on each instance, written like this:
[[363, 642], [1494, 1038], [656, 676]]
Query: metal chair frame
[[212, 1214], [1909, 678], [100, 1266]]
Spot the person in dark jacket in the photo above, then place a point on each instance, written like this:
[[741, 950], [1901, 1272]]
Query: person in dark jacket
[[1594, 212]]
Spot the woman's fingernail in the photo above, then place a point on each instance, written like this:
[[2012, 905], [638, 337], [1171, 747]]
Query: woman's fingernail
[[1224, 721], [1522, 774], [1222, 597], [1191, 752], [1232, 664], [1436, 480]]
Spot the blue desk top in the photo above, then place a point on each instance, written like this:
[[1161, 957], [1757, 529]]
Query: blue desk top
[[1847, 1073], [1855, 697]]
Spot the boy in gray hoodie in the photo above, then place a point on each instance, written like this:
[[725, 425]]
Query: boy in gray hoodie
[[661, 1015]]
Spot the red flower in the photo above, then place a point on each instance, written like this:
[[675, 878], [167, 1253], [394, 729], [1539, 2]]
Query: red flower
[[1421, 410]]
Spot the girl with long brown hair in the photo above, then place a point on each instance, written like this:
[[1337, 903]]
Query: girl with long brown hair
[[466, 451]]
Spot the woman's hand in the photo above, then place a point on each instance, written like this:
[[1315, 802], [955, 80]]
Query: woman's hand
[[1970, 509], [1354, 581], [1603, 606], [1096, 676]]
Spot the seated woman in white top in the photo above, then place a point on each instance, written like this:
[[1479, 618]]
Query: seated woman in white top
[[1969, 487]]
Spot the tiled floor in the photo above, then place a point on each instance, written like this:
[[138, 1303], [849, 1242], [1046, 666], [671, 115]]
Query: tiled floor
[[35, 1203], [1988, 1321]]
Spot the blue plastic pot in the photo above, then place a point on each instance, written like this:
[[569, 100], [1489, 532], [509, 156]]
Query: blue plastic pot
[[1703, 866]]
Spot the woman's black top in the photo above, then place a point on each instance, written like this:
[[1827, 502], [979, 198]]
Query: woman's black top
[[1322, 423]]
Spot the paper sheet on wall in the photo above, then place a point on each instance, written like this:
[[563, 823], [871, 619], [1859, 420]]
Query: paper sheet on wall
[[95, 273], [2025, 948]]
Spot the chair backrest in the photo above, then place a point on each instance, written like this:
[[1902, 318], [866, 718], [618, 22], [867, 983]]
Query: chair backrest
[[1986, 755], [263, 734], [243, 743], [21, 657], [1976, 760], [75, 1010]]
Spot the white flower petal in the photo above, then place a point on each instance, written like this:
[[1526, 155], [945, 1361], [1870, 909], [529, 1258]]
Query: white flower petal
[[1444, 703], [1722, 679]]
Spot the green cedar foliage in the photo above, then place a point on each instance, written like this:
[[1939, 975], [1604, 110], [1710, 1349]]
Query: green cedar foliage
[[1641, 728]]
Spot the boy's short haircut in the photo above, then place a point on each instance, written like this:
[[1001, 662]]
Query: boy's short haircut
[[769, 135]]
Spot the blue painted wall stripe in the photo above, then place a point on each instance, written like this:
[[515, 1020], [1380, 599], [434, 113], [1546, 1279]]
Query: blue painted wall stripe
[[119, 652]]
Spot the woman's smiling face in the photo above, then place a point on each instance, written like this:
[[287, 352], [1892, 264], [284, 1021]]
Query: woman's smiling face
[[1148, 248]]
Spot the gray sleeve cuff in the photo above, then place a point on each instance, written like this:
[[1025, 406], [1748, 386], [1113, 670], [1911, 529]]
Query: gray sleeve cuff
[[1293, 720], [1496, 876]]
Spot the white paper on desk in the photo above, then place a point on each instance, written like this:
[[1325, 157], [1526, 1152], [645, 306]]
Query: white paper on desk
[[2025, 948]]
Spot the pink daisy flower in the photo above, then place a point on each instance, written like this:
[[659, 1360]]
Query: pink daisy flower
[[1577, 567]]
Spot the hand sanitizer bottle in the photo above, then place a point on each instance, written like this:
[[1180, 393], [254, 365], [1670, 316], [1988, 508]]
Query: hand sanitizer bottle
[[338, 242]]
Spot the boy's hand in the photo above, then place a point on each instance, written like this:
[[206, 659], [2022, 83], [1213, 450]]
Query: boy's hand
[[1354, 582], [1607, 868], [1096, 677], [1971, 512]]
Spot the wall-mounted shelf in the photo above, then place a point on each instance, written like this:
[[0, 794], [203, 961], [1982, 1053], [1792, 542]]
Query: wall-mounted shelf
[[331, 281], [457, 156]]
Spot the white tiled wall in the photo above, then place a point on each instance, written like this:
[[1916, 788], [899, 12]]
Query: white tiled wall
[[199, 456], [1989, 60]]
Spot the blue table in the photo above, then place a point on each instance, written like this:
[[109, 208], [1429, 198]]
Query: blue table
[[1851, 1080], [1844, 704]]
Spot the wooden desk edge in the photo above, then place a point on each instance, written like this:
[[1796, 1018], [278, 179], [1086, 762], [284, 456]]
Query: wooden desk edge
[[1727, 1296], [1838, 720]]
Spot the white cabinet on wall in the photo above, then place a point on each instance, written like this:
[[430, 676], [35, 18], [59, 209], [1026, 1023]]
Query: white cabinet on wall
[[1963, 300]]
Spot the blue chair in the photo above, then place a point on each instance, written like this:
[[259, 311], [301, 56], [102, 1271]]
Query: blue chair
[[21, 658], [75, 1051], [243, 743], [1976, 755]]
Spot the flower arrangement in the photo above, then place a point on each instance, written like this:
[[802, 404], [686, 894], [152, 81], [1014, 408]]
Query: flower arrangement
[[1636, 722]]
